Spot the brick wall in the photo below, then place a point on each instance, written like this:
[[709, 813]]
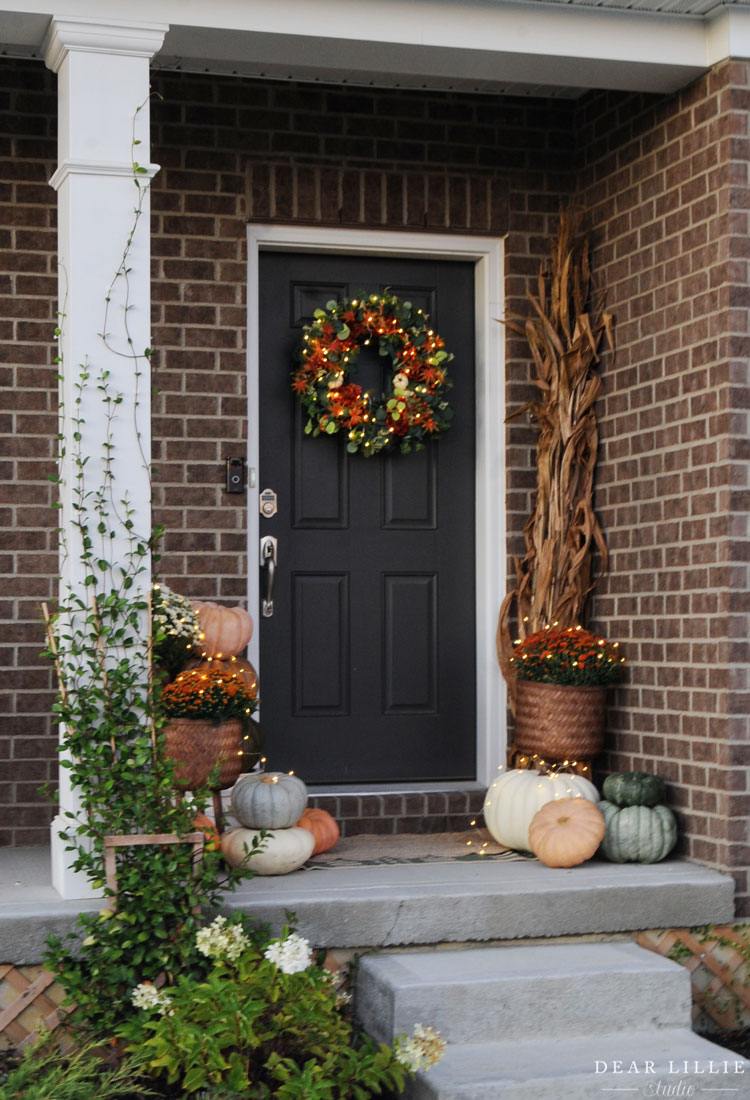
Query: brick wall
[[666, 184], [28, 424]]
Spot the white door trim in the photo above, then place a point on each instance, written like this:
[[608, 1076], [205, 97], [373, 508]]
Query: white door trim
[[487, 254]]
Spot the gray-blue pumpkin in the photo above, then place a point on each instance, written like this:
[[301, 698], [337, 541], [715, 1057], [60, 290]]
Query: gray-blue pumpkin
[[638, 834], [271, 800]]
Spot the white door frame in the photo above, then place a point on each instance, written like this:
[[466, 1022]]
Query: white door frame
[[487, 254]]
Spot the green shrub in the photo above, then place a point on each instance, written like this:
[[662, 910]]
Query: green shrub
[[264, 1021]]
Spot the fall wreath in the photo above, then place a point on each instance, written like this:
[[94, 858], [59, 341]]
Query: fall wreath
[[414, 410]]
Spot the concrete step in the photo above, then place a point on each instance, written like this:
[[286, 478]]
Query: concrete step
[[577, 1021], [667, 1062], [558, 989], [403, 903]]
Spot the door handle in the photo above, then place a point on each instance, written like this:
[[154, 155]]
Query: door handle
[[268, 561]]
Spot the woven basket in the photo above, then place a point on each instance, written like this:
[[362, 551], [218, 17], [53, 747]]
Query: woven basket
[[196, 746], [559, 721]]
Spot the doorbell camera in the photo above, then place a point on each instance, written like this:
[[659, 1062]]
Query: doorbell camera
[[235, 475]]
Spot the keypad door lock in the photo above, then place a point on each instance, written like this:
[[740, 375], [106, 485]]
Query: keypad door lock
[[268, 503]]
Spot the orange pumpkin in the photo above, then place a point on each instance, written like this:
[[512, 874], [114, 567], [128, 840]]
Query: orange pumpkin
[[323, 828], [226, 630], [205, 825], [566, 832]]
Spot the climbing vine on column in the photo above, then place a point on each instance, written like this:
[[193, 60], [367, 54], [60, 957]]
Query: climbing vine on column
[[108, 703]]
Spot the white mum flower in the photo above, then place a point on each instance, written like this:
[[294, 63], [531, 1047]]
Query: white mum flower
[[291, 955], [174, 614]]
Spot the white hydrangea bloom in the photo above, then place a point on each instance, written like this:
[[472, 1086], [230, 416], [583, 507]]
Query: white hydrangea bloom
[[148, 997], [291, 955], [219, 942], [420, 1050]]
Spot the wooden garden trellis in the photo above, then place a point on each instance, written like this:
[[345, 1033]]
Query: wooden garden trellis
[[33, 994]]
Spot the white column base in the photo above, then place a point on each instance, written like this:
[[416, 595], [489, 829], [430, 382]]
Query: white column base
[[68, 883]]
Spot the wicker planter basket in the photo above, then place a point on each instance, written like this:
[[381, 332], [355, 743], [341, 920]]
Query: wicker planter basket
[[559, 721], [197, 746]]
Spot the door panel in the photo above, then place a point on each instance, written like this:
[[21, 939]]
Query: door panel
[[410, 491], [367, 667], [321, 673], [410, 672]]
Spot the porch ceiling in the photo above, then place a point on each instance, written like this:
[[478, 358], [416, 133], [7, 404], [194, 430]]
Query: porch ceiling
[[530, 47]]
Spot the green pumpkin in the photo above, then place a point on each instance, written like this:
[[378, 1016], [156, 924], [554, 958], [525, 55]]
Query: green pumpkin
[[634, 789], [637, 834]]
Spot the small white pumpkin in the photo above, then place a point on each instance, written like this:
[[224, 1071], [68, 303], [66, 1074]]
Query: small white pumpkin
[[516, 795], [282, 851], [270, 800]]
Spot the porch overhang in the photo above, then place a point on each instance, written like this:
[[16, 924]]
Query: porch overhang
[[495, 46]]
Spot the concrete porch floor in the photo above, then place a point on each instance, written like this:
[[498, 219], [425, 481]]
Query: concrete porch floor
[[411, 904]]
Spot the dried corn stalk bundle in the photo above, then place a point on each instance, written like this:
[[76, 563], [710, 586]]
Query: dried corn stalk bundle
[[564, 331]]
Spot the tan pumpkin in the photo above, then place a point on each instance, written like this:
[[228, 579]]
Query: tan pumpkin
[[323, 828], [566, 832], [226, 630]]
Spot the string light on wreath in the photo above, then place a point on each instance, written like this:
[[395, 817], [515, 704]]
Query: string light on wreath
[[415, 408]]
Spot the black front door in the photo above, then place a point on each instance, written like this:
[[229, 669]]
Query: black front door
[[368, 662]]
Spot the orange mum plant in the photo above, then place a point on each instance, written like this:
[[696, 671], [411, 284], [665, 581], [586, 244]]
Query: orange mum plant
[[569, 656], [211, 693]]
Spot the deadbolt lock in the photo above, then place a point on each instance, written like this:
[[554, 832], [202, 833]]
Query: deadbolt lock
[[268, 503]]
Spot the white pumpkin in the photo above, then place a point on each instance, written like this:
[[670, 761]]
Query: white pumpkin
[[271, 800], [282, 851], [516, 795]]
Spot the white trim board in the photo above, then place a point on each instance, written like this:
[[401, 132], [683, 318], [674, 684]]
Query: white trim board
[[487, 254]]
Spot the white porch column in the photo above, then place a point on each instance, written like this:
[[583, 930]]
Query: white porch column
[[103, 78]]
